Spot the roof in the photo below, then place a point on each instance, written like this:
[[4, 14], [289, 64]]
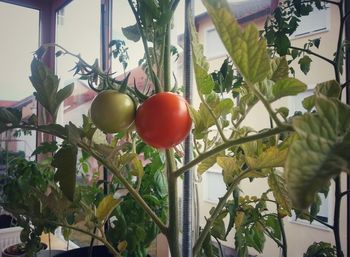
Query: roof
[[6, 103], [247, 10]]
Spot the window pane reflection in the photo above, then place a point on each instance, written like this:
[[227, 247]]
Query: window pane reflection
[[16, 89]]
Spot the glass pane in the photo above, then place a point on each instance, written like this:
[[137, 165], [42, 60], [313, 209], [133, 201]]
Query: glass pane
[[78, 31], [123, 17], [79, 34], [16, 89]]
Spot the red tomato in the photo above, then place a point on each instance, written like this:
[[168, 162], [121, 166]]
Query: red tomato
[[163, 120]]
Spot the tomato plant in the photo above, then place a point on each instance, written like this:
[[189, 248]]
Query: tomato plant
[[163, 120], [112, 111]]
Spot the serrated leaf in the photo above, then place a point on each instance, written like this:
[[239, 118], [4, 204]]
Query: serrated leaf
[[279, 69], [65, 161], [74, 133], [132, 32], [224, 107], [329, 88], [247, 50], [282, 44], [137, 168], [270, 158], [277, 184], [230, 169], [105, 207], [207, 164], [161, 186], [205, 83], [196, 118], [64, 93], [127, 158], [287, 87], [284, 111], [10, 115], [304, 63], [309, 102], [46, 86], [239, 219], [46, 147], [315, 207], [321, 151], [56, 129]]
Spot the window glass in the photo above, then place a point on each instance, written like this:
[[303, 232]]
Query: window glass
[[16, 89], [213, 44], [214, 186], [317, 21], [78, 31]]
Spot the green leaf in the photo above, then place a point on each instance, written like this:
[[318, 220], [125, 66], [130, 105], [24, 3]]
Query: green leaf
[[132, 32], [10, 115], [207, 164], [55, 129], [230, 169], [65, 161], [277, 184], [287, 87], [315, 207], [74, 133], [309, 102], [137, 168], [304, 63], [127, 158], [329, 88], [247, 50], [161, 183], [224, 107], [284, 111], [282, 44], [218, 228], [105, 208], [279, 69], [46, 147], [64, 93], [321, 151], [270, 158], [321, 249], [205, 83], [273, 224]]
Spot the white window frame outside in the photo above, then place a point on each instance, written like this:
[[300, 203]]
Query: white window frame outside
[[316, 30], [213, 170], [208, 51], [330, 198]]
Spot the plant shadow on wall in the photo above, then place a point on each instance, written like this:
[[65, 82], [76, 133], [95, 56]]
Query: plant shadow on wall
[[257, 72]]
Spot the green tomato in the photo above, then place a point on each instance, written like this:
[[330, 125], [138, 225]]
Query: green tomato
[[112, 111]]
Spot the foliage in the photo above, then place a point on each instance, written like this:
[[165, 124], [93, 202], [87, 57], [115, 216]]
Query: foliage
[[321, 249], [298, 154]]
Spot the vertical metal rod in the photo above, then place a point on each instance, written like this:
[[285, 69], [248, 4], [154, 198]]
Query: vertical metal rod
[[106, 28], [188, 176], [347, 69]]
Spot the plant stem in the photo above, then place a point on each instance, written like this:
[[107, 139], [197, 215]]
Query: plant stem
[[145, 46], [266, 104], [336, 228], [283, 232], [172, 232], [339, 45], [166, 60], [137, 197], [212, 114], [229, 144], [313, 53], [216, 212]]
